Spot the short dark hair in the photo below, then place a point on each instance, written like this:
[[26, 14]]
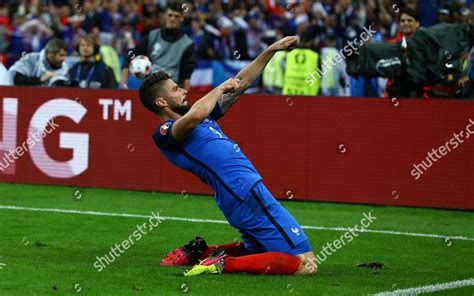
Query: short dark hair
[[55, 45], [409, 12], [176, 6], [151, 88]]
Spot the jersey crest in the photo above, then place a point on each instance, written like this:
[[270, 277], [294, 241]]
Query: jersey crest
[[164, 128]]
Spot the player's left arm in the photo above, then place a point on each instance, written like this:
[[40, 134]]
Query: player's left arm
[[249, 74]]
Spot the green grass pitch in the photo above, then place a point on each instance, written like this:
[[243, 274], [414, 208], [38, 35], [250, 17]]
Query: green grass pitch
[[52, 253]]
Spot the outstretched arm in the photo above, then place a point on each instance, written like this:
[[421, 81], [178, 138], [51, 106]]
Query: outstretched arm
[[249, 74]]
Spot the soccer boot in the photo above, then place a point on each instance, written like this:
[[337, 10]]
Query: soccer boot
[[187, 254], [212, 264]]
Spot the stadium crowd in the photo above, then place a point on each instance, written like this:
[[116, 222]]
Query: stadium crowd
[[223, 30]]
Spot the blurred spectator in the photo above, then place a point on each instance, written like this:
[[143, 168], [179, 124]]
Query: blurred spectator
[[5, 30], [108, 54], [91, 71], [49, 17], [347, 25], [301, 20], [465, 81], [109, 14], [426, 11], [168, 48], [196, 31], [124, 38], [91, 16], [218, 29], [300, 62], [462, 15], [444, 16], [150, 21], [273, 74], [237, 16], [45, 68], [233, 42], [254, 36], [4, 77], [205, 38], [34, 35], [333, 78]]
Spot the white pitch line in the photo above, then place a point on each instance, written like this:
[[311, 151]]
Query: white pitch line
[[196, 220], [391, 232], [429, 288]]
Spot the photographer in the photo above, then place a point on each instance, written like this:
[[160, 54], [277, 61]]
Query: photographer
[[46, 68], [91, 71], [429, 64], [409, 24]]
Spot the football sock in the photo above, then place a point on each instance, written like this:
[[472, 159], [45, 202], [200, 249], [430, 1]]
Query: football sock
[[233, 249], [267, 263]]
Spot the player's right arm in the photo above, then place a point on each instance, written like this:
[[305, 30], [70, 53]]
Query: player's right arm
[[140, 49], [201, 109]]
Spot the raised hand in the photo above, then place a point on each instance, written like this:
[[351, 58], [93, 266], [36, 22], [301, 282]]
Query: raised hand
[[289, 42], [230, 85]]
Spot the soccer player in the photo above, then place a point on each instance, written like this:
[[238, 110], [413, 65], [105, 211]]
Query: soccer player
[[190, 137]]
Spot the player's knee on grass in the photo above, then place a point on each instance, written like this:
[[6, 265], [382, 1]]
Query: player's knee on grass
[[308, 264]]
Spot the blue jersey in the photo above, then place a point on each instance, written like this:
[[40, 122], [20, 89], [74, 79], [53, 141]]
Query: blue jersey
[[209, 154], [265, 226]]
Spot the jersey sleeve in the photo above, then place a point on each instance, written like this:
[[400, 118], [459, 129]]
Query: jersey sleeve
[[163, 136]]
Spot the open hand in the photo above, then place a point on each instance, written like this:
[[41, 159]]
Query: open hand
[[287, 43]]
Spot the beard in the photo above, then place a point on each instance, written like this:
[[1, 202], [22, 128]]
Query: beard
[[180, 109]]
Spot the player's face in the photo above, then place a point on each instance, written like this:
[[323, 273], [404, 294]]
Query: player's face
[[173, 19], [176, 97], [408, 25]]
